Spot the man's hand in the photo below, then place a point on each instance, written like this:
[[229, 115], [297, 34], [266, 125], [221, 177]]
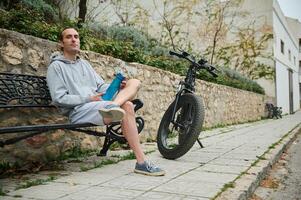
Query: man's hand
[[123, 84], [96, 97]]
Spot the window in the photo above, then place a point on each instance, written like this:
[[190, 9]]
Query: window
[[294, 61], [282, 46], [289, 55], [300, 45]]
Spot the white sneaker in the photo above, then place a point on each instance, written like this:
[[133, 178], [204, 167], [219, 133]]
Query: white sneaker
[[112, 111]]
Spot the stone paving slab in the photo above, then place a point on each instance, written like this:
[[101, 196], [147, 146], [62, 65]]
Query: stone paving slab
[[49, 191], [168, 196], [200, 174], [231, 162], [103, 193], [86, 178], [224, 169], [187, 187]]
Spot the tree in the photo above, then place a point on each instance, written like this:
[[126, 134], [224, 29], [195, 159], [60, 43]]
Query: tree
[[217, 19], [248, 54], [82, 5], [131, 13], [83, 10], [66, 9], [99, 8], [173, 15]]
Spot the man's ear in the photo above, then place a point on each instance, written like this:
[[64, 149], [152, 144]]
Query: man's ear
[[61, 45]]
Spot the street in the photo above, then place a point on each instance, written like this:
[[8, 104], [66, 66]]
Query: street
[[284, 180]]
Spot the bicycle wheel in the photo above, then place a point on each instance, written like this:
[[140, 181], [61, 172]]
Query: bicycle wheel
[[176, 139]]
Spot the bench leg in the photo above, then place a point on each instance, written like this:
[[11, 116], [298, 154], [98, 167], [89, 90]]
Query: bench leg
[[106, 145]]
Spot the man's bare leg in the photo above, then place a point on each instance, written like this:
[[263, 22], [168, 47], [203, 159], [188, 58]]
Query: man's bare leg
[[128, 124], [130, 132]]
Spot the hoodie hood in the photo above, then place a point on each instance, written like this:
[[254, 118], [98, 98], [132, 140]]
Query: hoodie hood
[[57, 56]]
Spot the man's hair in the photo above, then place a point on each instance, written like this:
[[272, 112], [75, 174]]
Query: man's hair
[[61, 36]]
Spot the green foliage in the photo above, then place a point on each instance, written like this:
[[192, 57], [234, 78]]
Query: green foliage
[[127, 44], [31, 22], [235, 79], [97, 165], [75, 152], [2, 192], [248, 54], [129, 156], [119, 49], [130, 34], [31, 183], [49, 12], [5, 166], [169, 64]]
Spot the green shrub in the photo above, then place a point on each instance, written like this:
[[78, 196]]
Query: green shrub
[[33, 23], [50, 14], [149, 46], [122, 50], [122, 33], [166, 63]]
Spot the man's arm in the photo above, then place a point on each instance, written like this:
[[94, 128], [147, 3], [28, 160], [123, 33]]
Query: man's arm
[[59, 92], [101, 85]]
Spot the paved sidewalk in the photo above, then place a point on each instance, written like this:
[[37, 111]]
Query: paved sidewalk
[[228, 156]]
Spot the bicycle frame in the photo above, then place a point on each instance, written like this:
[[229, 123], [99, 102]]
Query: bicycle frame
[[188, 85]]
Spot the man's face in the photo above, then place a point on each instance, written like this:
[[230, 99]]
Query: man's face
[[70, 42]]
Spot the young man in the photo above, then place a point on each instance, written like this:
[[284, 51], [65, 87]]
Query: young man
[[77, 89]]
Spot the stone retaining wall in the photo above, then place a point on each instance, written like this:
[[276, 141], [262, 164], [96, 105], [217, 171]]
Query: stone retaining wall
[[20, 53]]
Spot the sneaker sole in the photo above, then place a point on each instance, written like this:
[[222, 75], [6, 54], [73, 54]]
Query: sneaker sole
[[162, 173], [116, 114]]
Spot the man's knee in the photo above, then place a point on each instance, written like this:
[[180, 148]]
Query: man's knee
[[134, 83], [128, 106]]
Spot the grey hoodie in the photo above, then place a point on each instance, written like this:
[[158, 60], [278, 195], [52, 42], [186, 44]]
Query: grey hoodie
[[71, 83]]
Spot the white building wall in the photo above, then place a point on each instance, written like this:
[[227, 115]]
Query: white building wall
[[283, 63], [295, 26]]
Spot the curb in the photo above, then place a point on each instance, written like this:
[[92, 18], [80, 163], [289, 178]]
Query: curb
[[246, 184]]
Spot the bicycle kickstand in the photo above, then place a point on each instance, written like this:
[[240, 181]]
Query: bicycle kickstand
[[200, 143]]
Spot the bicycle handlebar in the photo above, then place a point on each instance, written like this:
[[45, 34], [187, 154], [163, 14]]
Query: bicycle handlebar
[[211, 69], [172, 53], [201, 64]]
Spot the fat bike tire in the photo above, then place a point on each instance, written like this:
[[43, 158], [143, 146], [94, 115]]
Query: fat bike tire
[[190, 115]]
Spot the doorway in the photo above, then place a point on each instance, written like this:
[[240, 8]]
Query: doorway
[[291, 96]]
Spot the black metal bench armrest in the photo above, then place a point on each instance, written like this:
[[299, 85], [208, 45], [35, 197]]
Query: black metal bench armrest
[[137, 103]]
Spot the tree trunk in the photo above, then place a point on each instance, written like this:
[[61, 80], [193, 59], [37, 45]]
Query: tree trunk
[[82, 12]]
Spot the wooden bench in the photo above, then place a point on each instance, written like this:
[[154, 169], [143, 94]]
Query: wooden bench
[[31, 92], [273, 111]]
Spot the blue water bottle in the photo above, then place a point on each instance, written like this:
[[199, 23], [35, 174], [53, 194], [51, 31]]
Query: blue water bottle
[[113, 88]]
